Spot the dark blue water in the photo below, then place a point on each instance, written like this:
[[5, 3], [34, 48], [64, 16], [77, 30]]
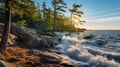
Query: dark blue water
[[103, 32], [108, 40], [102, 50]]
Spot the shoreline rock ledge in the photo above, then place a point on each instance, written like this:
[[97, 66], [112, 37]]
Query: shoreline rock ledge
[[17, 56], [26, 37]]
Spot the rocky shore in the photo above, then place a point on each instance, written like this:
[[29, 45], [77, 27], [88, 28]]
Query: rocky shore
[[27, 49], [15, 56]]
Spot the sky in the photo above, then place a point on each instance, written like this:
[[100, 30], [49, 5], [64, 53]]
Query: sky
[[98, 14]]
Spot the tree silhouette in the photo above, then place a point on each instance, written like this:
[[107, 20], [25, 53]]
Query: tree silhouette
[[58, 5], [39, 15], [44, 10], [76, 14], [7, 26]]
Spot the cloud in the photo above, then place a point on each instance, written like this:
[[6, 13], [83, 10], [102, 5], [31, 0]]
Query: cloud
[[100, 12], [106, 15]]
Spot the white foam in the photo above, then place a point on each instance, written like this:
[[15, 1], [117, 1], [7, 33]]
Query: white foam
[[71, 46]]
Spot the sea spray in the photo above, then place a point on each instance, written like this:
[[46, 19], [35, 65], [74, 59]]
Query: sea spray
[[89, 54]]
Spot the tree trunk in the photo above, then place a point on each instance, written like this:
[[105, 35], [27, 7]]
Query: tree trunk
[[7, 25], [54, 19], [44, 15]]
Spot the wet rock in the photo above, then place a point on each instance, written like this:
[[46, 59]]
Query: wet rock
[[48, 41], [88, 36]]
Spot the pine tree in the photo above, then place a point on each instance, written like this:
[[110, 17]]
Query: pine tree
[[49, 19], [76, 13], [39, 12], [58, 5], [44, 11], [11, 6]]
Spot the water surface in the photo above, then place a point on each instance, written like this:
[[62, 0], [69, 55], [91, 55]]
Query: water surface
[[103, 50]]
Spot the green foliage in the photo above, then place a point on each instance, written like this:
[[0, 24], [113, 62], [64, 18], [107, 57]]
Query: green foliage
[[58, 6], [21, 23], [31, 14], [44, 11], [76, 15], [27, 12], [39, 13]]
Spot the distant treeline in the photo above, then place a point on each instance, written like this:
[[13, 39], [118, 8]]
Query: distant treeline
[[28, 13]]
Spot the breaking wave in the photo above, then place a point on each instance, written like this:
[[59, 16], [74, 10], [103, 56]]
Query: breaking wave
[[103, 50]]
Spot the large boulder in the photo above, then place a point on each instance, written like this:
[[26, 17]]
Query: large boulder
[[23, 36], [30, 38], [88, 36]]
